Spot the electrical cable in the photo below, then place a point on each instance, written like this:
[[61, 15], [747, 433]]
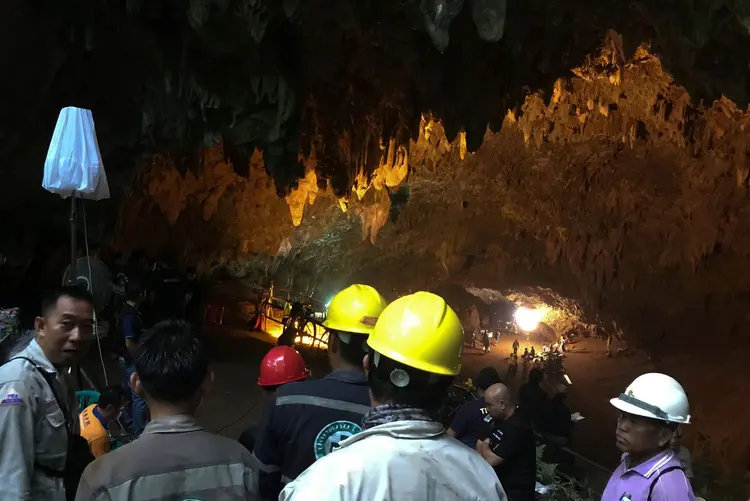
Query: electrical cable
[[91, 291], [239, 418]]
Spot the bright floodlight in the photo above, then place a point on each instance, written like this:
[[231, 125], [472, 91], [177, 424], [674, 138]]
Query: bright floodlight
[[527, 319]]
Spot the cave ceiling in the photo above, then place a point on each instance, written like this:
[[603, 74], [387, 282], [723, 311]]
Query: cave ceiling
[[333, 78]]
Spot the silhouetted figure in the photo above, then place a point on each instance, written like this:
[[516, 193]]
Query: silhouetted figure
[[557, 428], [296, 321], [532, 398]]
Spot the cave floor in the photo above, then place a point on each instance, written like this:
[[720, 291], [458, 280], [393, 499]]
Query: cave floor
[[236, 401]]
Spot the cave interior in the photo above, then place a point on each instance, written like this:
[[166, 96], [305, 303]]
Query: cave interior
[[592, 151]]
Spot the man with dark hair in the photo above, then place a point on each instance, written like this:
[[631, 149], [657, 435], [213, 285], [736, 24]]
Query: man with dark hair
[[308, 419], [130, 325], [38, 408], [414, 354], [96, 418], [174, 458], [471, 420]]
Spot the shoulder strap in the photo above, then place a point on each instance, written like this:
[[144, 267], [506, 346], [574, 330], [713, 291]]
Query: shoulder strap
[[662, 472], [51, 383]]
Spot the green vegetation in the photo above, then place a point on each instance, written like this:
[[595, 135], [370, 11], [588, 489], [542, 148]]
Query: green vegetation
[[561, 488], [719, 487]]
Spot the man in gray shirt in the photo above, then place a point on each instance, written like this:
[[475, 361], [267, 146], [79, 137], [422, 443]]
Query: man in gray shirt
[[174, 458], [33, 427]]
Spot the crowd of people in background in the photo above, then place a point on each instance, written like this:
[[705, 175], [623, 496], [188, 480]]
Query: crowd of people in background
[[369, 430]]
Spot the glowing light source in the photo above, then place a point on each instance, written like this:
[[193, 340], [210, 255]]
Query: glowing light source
[[527, 319]]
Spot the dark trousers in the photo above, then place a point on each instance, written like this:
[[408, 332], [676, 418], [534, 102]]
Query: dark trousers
[[247, 439]]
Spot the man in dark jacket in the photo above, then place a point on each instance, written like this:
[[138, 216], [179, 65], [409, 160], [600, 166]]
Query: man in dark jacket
[[533, 399], [471, 420], [511, 448], [308, 419]]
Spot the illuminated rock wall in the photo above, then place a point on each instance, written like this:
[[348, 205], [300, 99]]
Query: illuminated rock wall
[[615, 191]]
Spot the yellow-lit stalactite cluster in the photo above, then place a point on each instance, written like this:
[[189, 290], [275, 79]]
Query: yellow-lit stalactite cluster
[[171, 190], [305, 192], [390, 173], [393, 168]]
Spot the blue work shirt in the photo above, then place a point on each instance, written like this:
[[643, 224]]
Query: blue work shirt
[[306, 421], [98, 415], [471, 422], [130, 326]]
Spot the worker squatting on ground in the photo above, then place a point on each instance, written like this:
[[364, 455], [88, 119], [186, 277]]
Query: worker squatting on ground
[[309, 419], [174, 458], [281, 365], [651, 410], [471, 420], [510, 448], [413, 355], [96, 418], [41, 454]]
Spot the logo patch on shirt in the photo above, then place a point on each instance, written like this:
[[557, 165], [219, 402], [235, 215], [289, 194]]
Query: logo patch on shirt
[[332, 435], [497, 435], [11, 398]]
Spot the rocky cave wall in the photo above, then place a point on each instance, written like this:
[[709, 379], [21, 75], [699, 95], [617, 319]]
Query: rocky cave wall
[[614, 190]]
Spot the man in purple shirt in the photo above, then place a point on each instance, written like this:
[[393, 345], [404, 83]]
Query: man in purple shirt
[[651, 409]]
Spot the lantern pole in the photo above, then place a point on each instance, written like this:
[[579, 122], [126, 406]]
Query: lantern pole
[[73, 243]]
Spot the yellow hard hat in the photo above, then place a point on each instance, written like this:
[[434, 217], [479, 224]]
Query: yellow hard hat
[[420, 331], [355, 309]]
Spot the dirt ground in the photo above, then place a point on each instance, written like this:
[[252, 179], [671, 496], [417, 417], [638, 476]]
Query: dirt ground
[[236, 401], [595, 379]]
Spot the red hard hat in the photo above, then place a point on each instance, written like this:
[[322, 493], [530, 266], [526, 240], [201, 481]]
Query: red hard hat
[[282, 365]]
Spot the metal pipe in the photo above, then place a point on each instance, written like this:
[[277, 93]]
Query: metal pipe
[[73, 243]]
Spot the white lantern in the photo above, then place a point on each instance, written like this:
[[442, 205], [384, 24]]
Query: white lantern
[[73, 162]]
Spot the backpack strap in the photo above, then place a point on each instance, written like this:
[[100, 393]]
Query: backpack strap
[[51, 383], [662, 472]]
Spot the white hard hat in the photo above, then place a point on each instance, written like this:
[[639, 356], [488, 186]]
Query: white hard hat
[[656, 396]]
